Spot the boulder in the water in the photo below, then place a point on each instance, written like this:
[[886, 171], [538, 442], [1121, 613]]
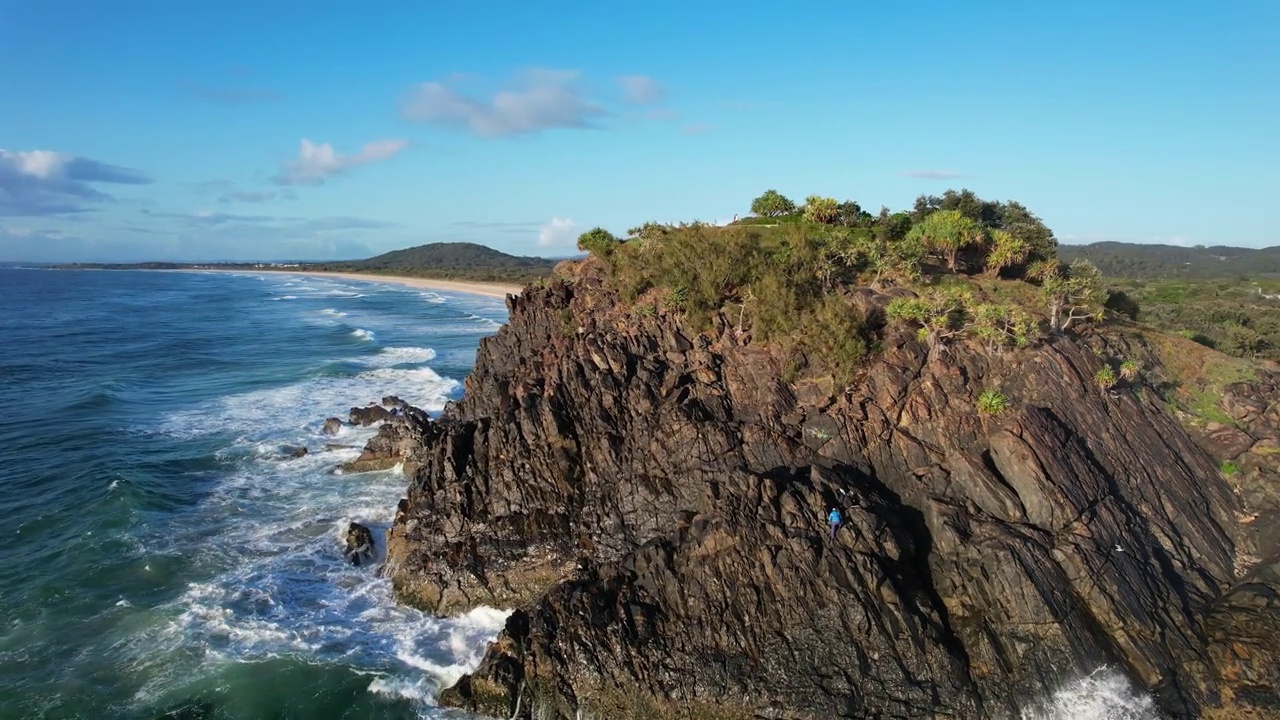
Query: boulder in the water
[[296, 452], [394, 401], [332, 426], [359, 544], [369, 415]]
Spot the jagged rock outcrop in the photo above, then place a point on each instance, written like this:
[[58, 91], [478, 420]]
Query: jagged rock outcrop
[[368, 415], [359, 544], [653, 501], [400, 435]]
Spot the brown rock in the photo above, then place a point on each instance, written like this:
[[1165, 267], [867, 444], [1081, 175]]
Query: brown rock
[[1227, 442], [662, 529], [369, 415]]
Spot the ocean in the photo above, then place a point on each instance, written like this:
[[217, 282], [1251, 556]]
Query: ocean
[[163, 555]]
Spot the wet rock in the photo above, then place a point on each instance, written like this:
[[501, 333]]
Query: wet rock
[[364, 465], [332, 426], [368, 415], [360, 546], [296, 452], [393, 401]]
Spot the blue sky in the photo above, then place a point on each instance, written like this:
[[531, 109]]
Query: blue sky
[[271, 130]]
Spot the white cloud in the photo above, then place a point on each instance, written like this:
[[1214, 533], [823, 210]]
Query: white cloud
[[44, 182], [544, 99], [640, 89], [318, 162], [558, 231]]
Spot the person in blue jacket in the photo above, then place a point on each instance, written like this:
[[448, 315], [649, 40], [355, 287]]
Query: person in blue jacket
[[834, 518]]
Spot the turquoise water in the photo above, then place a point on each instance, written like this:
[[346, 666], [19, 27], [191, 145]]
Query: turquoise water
[[162, 557]]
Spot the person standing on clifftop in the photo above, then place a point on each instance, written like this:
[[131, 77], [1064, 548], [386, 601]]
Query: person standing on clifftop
[[834, 518]]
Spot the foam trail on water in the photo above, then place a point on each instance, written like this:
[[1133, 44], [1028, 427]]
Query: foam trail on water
[[1104, 694]]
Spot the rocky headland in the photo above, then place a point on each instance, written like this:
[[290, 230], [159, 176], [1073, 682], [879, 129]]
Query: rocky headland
[[651, 501]]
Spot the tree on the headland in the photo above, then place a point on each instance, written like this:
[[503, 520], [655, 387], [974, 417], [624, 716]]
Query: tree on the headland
[[948, 232], [772, 204], [820, 209], [891, 227], [851, 214], [1019, 222], [1073, 292], [1006, 251], [598, 242], [1012, 217]]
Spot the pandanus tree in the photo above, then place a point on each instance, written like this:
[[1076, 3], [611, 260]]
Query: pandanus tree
[[772, 204], [1006, 250], [598, 242], [820, 209], [947, 232], [1073, 292]]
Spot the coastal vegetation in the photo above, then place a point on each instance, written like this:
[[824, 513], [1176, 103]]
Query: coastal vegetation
[[977, 269], [790, 276]]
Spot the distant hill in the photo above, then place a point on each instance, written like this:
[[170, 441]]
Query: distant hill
[[1151, 262], [457, 260]]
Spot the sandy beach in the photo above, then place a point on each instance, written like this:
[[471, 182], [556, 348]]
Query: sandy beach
[[489, 289]]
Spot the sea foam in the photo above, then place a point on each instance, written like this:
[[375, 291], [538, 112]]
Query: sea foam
[[1104, 694]]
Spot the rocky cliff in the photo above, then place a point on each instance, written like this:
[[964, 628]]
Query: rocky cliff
[[653, 504]]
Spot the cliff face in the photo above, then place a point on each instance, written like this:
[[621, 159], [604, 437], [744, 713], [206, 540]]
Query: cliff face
[[654, 505]]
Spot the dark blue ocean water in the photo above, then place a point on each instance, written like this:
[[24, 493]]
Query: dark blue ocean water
[[160, 553]]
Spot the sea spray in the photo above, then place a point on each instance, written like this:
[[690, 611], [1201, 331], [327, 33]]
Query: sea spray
[[1104, 694]]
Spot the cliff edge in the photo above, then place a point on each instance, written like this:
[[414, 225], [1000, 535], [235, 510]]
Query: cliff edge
[[652, 502]]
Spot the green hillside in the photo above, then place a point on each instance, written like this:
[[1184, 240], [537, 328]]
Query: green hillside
[[1151, 262], [457, 260]]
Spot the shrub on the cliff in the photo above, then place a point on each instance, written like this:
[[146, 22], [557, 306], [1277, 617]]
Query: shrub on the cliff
[[832, 340], [990, 402], [1105, 378], [1230, 468], [1072, 293], [1129, 370], [1002, 326], [878, 257], [940, 315], [598, 242]]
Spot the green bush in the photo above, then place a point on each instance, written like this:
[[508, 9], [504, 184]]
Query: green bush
[[598, 242], [990, 402], [1105, 378], [1230, 468], [1129, 370]]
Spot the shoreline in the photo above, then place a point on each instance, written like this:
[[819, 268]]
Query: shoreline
[[471, 287]]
